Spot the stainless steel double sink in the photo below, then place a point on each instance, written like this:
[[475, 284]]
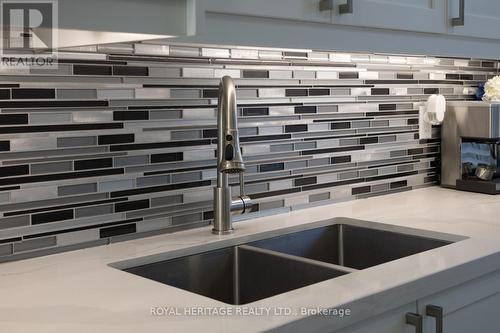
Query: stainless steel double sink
[[257, 269]]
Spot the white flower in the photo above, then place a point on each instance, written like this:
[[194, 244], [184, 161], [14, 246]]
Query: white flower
[[492, 89]]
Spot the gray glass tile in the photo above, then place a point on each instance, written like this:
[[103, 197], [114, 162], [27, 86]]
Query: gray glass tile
[[76, 189], [94, 210], [14, 222], [131, 160], [176, 220], [53, 167], [5, 250], [34, 244], [79, 141]]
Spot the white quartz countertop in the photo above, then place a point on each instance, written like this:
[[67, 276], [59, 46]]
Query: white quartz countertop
[[78, 292]]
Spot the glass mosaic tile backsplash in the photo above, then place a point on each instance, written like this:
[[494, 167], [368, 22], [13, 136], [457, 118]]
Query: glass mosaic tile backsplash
[[118, 142]]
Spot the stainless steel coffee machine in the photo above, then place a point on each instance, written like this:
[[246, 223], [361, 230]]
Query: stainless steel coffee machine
[[470, 147]]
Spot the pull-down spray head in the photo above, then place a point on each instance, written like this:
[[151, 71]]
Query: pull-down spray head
[[229, 158]]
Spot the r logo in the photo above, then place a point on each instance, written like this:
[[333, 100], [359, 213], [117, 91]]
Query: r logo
[[28, 26]]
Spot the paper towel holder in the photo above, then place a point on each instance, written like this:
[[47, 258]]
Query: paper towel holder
[[431, 113]]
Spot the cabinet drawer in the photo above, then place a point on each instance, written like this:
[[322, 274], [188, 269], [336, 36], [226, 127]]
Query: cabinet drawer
[[300, 10], [410, 15]]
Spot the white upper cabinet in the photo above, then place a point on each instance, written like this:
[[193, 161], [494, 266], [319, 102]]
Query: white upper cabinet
[[474, 18], [410, 15], [300, 10]]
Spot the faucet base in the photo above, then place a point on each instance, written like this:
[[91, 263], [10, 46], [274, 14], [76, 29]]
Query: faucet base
[[222, 232]]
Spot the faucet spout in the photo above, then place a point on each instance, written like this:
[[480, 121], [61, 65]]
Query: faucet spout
[[229, 160]]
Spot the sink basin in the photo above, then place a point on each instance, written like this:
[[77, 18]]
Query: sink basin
[[351, 246], [238, 275], [240, 271]]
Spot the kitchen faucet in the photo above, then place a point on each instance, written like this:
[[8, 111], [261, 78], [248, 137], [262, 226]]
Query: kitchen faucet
[[229, 161]]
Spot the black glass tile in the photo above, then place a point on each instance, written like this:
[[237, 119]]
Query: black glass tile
[[452, 76], [430, 91], [9, 188], [4, 145], [293, 54], [115, 139], [131, 205], [340, 125], [130, 71], [402, 183], [167, 157], [33, 93], [117, 230], [265, 138], [271, 167], [255, 74], [210, 133], [319, 92], [361, 190], [390, 113], [59, 128], [250, 112], [331, 150], [210, 93], [340, 159], [380, 91], [208, 215], [405, 76], [415, 151], [52, 104], [162, 188], [60, 176], [387, 107], [91, 70], [4, 94], [412, 122], [48, 217], [16, 170], [295, 92], [131, 115], [348, 75], [296, 128], [98, 163], [305, 181], [13, 119], [305, 109], [466, 77], [274, 193], [10, 240], [157, 145], [368, 140]]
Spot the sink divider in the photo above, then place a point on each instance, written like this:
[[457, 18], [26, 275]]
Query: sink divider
[[297, 258]]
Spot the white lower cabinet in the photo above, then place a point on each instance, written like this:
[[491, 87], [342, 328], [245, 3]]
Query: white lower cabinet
[[391, 322], [471, 307]]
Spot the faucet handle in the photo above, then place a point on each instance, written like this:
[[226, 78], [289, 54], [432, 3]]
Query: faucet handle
[[245, 199], [242, 185]]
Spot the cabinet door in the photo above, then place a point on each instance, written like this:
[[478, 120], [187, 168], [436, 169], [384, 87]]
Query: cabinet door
[[411, 15], [300, 10], [483, 316], [391, 322], [471, 307], [481, 18]]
